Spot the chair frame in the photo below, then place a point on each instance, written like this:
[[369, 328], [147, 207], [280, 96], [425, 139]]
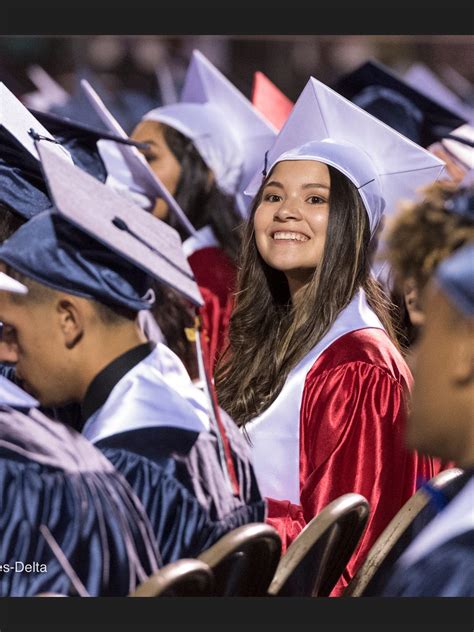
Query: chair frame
[[325, 523], [394, 531], [185, 577], [234, 543]]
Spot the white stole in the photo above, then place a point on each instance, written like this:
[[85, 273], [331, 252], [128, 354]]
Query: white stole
[[155, 392], [275, 434], [204, 238]]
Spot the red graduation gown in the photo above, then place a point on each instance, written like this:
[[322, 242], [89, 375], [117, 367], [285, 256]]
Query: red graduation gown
[[352, 422]]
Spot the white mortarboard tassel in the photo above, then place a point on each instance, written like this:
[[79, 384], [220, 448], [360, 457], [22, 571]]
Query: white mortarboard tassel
[[385, 166], [229, 133]]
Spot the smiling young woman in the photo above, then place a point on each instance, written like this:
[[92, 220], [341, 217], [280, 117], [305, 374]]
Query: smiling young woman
[[312, 373]]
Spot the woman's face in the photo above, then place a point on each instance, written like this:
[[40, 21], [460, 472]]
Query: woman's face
[[291, 220], [161, 160]]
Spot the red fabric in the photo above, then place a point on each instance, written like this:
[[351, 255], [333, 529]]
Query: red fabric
[[210, 314], [270, 100], [352, 418], [215, 272]]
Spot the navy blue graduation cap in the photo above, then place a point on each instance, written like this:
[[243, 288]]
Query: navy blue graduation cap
[[455, 276], [379, 91], [97, 244]]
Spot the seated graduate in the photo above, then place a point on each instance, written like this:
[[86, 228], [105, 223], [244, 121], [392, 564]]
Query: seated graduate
[[420, 236], [87, 268], [440, 561], [312, 374], [69, 522]]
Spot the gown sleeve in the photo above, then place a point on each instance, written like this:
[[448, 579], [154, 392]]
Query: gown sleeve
[[98, 534], [352, 440]]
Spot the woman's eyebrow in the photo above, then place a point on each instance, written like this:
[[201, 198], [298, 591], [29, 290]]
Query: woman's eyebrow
[[316, 185], [274, 183]]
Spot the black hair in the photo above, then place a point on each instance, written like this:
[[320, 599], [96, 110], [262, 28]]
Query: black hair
[[201, 199]]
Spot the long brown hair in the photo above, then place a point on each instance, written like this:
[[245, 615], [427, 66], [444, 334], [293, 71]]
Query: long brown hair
[[268, 335]]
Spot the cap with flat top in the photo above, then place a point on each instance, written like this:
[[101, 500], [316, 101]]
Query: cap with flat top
[[384, 165], [378, 90], [97, 244], [22, 188]]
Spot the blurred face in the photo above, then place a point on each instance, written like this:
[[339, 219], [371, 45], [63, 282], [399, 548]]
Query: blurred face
[[161, 160], [442, 417], [33, 342], [291, 220]]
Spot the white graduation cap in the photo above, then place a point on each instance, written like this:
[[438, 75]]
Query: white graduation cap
[[384, 165], [128, 166], [229, 133], [48, 91], [22, 127], [423, 79]]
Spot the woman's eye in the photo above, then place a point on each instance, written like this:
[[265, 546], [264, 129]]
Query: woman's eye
[[149, 156], [316, 199], [272, 197]]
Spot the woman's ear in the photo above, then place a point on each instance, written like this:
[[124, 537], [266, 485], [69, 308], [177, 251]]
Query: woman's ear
[[71, 317]]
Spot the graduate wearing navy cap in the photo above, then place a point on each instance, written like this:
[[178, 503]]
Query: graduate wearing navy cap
[[440, 561], [379, 91], [70, 523], [88, 266]]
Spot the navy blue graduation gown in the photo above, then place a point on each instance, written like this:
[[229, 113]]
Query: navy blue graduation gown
[[63, 507]]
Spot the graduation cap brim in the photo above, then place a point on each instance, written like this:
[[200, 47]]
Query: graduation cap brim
[[135, 161], [118, 224], [66, 125], [438, 120]]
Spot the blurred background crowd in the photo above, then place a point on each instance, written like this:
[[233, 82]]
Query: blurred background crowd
[[135, 74]]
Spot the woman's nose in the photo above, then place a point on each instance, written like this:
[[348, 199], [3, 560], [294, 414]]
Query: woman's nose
[[288, 210]]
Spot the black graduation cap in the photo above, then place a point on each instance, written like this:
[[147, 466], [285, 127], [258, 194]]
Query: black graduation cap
[[379, 91], [81, 141]]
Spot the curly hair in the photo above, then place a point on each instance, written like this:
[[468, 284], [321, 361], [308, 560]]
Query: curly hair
[[425, 233]]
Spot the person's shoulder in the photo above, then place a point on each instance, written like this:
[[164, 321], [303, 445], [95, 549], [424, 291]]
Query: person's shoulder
[[368, 351]]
